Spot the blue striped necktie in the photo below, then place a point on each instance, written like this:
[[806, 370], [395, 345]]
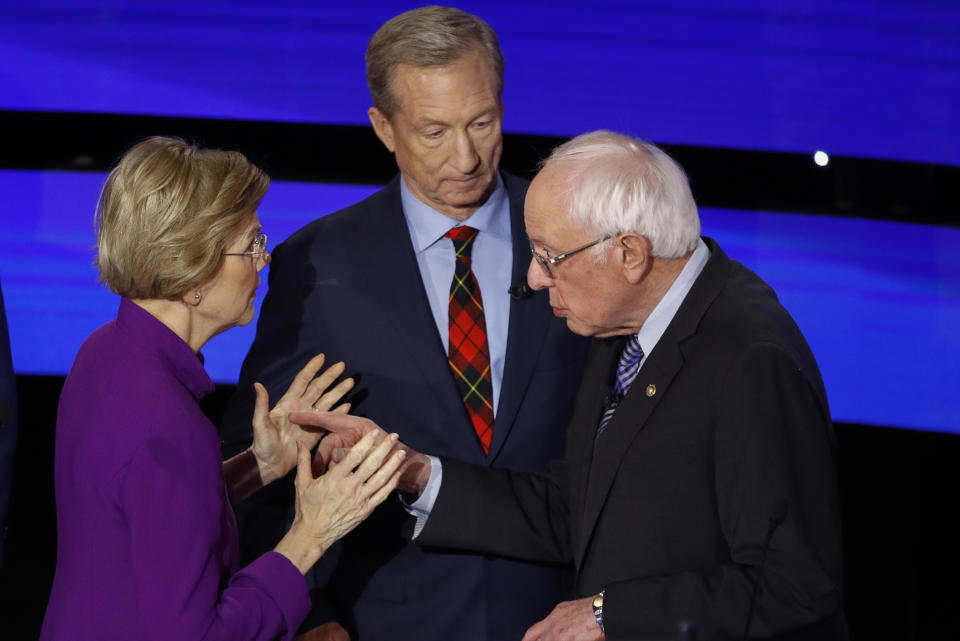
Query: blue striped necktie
[[627, 370]]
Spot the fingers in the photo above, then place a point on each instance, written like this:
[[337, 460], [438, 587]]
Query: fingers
[[261, 407], [389, 472], [323, 401], [318, 385], [304, 376], [334, 422], [373, 461], [390, 484], [318, 464], [304, 466], [358, 453], [343, 408]]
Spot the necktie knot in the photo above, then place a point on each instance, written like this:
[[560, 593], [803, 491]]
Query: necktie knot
[[462, 238], [627, 367]]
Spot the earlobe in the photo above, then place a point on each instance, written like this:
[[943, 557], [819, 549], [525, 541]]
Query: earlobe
[[192, 299], [382, 127]]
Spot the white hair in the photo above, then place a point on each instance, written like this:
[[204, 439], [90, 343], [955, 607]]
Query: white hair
[[618, 184]]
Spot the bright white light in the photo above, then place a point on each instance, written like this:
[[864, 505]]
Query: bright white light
[[821, 158]]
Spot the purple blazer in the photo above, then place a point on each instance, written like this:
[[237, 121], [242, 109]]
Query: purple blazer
[[147, 540]]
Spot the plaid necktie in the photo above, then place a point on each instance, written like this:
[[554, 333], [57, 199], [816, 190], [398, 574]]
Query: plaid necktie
[[626, 371], [469, 351]]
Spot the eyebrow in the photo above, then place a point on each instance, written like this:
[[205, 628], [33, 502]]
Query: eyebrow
[[427, 121]]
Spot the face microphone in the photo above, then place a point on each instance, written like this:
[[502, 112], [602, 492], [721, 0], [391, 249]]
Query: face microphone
[[778, 517], [520, 292]]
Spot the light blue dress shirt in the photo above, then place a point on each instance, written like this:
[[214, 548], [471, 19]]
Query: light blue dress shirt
[[491, 259]]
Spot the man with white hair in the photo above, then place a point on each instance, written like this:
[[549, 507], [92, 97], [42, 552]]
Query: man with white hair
[[698, 485]]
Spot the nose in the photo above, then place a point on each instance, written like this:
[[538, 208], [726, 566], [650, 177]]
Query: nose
[[465, 156], [536, 277]]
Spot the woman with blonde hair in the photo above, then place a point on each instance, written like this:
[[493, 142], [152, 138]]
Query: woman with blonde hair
[[147, 540]]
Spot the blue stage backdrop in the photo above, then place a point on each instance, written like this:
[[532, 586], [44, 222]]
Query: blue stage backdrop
[[867, 78], [879, 302]]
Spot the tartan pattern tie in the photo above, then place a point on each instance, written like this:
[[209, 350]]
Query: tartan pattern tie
[[469, 351], [626, 371]]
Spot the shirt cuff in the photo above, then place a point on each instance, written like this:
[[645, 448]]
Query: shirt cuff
[[422, 507]]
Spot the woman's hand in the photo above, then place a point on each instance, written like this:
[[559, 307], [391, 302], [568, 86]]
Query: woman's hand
[[329, 506], [345, 430], [274, 436]]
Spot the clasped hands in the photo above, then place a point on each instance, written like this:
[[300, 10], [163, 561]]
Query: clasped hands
[[569, 620], [330, 505]]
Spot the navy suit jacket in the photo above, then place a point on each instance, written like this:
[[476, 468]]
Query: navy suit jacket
[[725, 429], [348, 285]]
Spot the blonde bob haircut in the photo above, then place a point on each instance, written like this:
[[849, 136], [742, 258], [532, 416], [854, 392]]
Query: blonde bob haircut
[[166, 214]]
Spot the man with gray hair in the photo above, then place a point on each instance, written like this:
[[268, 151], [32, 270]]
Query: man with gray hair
[[698, 488], [420, 289]]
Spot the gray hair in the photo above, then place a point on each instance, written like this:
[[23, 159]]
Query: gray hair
[[619, 184], [426, 37]]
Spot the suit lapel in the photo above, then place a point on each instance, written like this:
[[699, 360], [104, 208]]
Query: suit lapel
[[527, 329], [404, 302], [594, 388], [648, 389]]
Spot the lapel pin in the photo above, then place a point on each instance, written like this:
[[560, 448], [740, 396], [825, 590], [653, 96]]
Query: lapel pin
[[651, 389]]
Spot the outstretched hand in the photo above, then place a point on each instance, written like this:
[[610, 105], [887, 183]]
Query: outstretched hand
[[275, 436], [345, 431]]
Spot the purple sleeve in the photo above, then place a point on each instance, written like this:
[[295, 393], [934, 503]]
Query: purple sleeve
[[171, 497]]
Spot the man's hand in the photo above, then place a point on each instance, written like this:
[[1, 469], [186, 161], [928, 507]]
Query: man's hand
[[569, 621], [332, 631], [346, 430], [275, 436]]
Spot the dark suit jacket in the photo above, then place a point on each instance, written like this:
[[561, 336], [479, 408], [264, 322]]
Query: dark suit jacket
[[348, 285], [725, 428]]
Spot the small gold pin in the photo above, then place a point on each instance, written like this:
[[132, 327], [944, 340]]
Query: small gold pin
[[651, 389]]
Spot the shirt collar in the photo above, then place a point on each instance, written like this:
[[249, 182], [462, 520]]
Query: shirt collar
[[427, 225], [656, 324]]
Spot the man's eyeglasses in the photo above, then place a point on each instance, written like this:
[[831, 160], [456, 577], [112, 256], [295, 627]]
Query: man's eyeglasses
[[257, 248], [548, 261]]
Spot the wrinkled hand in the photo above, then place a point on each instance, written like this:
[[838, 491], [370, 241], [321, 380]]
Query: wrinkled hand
[[329, 506], [569, 621], [345, 430], [331, 631], [275, 436]]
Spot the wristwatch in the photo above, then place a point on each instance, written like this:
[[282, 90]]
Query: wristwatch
[[598, 610]]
